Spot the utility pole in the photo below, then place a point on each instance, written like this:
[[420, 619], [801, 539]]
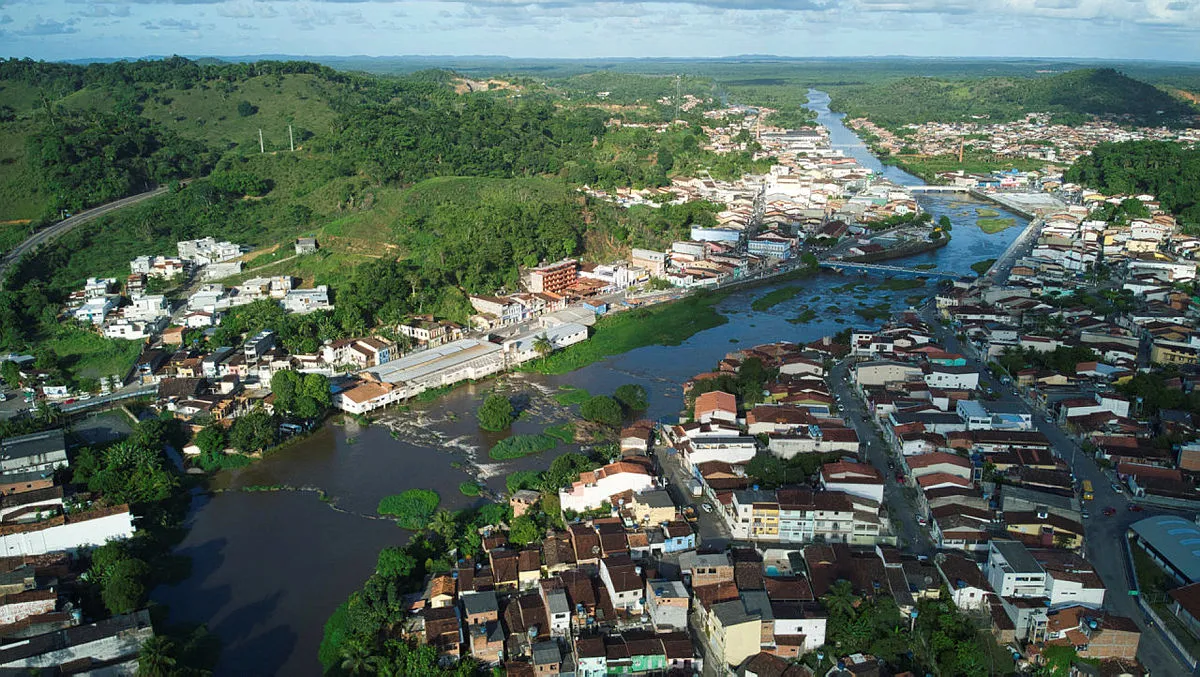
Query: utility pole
[[291, 141], [261, 148], [678, 94]]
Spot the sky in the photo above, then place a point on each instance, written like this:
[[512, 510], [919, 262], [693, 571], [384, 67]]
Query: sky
[[1119, 29]]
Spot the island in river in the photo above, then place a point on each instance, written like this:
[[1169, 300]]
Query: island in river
[[269, 567]]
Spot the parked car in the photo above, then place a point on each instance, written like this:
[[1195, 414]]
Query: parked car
[[1117, 488], [1110, 511], [922, 521], [706, 507], [1134, 507], [1084, 514]]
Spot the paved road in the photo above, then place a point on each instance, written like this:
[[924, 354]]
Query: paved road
[[1104, 536], [50, 232], [913, 536]]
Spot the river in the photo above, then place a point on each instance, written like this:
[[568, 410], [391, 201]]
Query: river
[[269, 567]]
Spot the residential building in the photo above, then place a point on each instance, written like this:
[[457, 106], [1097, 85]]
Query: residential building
[[554, 277], [1013, 572], [306, 300], [598, 486]]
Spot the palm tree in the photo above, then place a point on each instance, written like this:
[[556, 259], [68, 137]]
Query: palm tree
[[443, 524], [358, 659], [840, 599], [155, 659], [543, 346]]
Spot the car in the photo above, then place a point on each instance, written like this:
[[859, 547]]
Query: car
[[1049, 419], [1117, 488], [922, 521], [85, 396], [1110, 511], [70, 401], [706, 507], [1085, 514], [1134, 507]]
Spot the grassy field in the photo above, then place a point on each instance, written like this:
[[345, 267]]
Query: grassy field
[[901, 284], [665, 324], [986, 213], [20, 194], [209, 111], [88, 356], [774, 298], [995, 225], [564, 432], [412, 509]]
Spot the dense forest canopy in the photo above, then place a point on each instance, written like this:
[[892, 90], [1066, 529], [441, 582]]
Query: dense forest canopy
[[1168, 171], [1070, 96]]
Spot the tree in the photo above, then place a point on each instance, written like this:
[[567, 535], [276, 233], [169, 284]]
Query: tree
[[443, 524], [944, 223], [496, 414], [543, 346], [11, 374], [602, 409], [123, 588], [632, 397], [156, 657], [211, 440], [841, 599], [395, 563], [523, 531], [254, 431], [809, 260], [246, 109]]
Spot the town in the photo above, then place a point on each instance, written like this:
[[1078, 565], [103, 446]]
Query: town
[[1009, 468]]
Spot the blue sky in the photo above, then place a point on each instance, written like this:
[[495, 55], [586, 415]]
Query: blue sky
[[1125, 29]]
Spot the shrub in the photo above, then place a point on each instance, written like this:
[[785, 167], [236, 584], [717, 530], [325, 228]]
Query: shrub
[[412, 509], [564, 432], [496, 414], [521, 445], [602, 409], [469, 489], [632, 396]]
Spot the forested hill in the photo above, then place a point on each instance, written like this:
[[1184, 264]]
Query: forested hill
[[1071, 96], [1169, 171]]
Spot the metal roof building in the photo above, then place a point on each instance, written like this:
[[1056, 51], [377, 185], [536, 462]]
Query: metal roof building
[[1173, 542]]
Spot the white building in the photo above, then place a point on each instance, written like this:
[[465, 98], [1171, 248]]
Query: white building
[[95, 310], [1013, 572], [306, 300], [597, 486], [523, 348], [79, 530], [147, 308], [133, 330]]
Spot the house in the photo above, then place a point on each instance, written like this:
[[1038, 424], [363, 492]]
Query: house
[[678, 536], [1013, 572], [715, 405], [113, 643], [856, 479], [485, 635], [427, 331], [443, 631], [1093, 633], [36, 452], [667, 604], [306, 245], [623, 581], [969, 589], [597, 486], [306, 300], [365, 395]]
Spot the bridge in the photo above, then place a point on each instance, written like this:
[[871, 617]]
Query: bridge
[[883, 269], [940, 189]]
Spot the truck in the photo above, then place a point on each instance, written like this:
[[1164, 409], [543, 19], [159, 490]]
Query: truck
[[689, 514], [695, 488]]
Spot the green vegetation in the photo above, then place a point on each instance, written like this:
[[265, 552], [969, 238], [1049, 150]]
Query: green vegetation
[[877, 312], [974, 161], [76, 355], [632, 397], [805, 317], [522, 445], [563, 432], [1168, 171], [667, 324], [1060, 360], [995, 225], [986, 213], [254, 432], [412, 509], [496, 413], [772, 471], [982, 267], [747, 384], [775, 297], [570, 395], [1071, 96], [301, 395], [602, 409], [471, 489], [902, 284]]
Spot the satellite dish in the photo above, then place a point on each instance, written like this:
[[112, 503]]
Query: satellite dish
[[595, 550]]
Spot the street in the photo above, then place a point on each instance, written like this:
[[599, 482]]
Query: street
[[1104, 536]]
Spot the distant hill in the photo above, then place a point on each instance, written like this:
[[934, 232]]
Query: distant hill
[[1070, 96]]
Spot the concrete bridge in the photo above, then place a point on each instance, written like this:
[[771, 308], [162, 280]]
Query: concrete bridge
[[939, 189], [886, 270]]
